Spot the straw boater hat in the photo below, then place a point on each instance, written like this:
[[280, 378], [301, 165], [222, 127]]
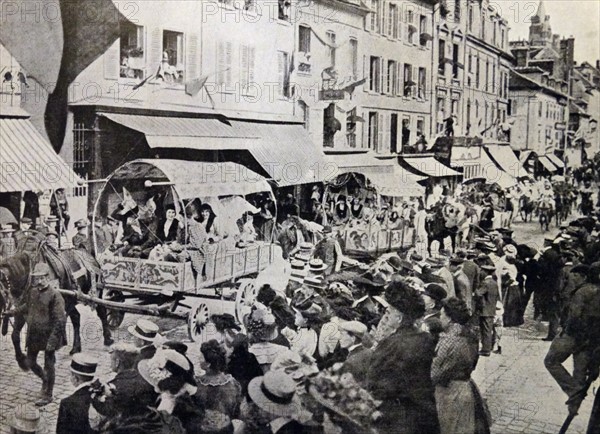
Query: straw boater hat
[[314, 282], [275, 393], [305, 252], [26, 418], [6, 228], [144, 330], [84, 364], [299, 270], [316, 265]]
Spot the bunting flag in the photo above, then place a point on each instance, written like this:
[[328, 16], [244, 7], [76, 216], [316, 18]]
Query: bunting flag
[[57, 45], [193, 87]]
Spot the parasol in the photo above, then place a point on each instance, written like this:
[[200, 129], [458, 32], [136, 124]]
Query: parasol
[[6, 216]]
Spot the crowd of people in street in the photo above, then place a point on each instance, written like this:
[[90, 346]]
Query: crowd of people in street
[[385, 346]]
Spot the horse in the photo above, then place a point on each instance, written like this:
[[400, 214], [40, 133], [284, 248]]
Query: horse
[[526, 207], [435, 226], [75, 269]]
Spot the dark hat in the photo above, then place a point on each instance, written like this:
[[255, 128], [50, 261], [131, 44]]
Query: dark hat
[[581, 269], [327, 229], [81, 223], [416, 257], [369, 279], [399, 264], [434, 262], [26, 220], [435, 291], [455, 260], [488, 268]]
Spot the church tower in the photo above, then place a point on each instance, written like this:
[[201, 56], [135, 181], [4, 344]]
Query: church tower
[[540, 32]]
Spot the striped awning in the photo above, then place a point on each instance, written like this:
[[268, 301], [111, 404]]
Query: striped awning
[[28, 161], [548, 164], [507, 160], [401, 183], [284, 150], [428, 166], [556, 161]]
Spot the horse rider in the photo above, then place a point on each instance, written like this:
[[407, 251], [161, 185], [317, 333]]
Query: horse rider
[[44, 309]]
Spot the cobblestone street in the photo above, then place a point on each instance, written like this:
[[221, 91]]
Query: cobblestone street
[[521, 395]]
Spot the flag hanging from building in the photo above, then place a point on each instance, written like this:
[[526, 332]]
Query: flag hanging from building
[[54, 41]]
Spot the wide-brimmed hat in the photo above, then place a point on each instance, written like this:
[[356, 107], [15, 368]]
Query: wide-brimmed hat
[[165, 364], [41, 269], [51, 219], [25, 418], [305, 252], [327, 229], [456, 260], [435, 262], [27, 220], [144, 329], [399, 264], [316, 265], [510, 250], [275, 393], [84, 364], [489, 268]]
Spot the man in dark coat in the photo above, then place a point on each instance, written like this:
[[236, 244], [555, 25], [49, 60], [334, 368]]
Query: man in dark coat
[[550, 271], [357, 363], [44, 310], [74, 411], [127, 392], [487, 297], [400, 370], [580, 335]]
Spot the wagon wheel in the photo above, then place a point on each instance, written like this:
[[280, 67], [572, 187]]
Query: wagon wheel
[[114, 316], [246, 295], [198, 323]]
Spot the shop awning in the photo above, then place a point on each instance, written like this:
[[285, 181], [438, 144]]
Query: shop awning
[[506, 160], [548, 165], [193, 179], [556, 161], [27, 160], [428, 166], [285, 151], [363, 162], [401, 183]]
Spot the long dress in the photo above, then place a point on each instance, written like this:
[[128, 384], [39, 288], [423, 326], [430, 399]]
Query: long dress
[[460, 407]]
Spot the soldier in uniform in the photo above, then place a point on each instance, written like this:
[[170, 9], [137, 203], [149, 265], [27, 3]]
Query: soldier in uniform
[[44, 310], [74, 410]]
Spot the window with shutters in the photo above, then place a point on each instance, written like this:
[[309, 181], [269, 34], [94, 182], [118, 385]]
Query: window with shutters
[[374, 16], [408, 80], [283, 74], [172, 67], [487, 75], [405, 132], [375, 74], [332, 47], [393, 21], [354, 57], [470, 20], [304, 33], [477, 72], [423, 35], [224, 64], [422, 83], [457, 11], [132, 55], [247, 60], [373, 135], [455, 61], [392, 70], [441, 57]]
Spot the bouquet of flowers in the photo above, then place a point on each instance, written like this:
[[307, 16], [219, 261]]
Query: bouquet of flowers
[[345, 399]]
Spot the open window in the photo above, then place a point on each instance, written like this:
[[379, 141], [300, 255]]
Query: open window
[[173, 63], [132, 51]]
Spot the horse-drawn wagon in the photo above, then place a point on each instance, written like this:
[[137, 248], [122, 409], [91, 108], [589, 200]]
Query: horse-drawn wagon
[[209, 265]]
